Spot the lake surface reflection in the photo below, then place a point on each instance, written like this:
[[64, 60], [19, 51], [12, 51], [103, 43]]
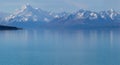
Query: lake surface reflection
[[60, 47]]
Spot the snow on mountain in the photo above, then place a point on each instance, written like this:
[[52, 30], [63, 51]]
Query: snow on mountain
[[86, 14], [59, 15], [29, 14], [89, 18], [78, 17], [110, 15]]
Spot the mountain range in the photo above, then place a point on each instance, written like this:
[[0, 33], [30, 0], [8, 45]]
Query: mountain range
[[29, 17]]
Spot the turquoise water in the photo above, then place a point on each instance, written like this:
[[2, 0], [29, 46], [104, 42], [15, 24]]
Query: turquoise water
[[60, 47]]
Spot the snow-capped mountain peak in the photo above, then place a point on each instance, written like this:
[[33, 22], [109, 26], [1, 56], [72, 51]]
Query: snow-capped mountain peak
[[27, 6], [86, 14], [29, 14], [112, 13], [93, 15], [24, 8]]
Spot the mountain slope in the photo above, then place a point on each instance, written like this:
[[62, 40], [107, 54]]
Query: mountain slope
[[86, 18], [29, 14]]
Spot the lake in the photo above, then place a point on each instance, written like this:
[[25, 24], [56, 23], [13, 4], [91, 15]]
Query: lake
[[60, 47]]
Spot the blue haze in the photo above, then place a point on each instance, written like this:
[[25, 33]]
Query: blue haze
[[61, 5]]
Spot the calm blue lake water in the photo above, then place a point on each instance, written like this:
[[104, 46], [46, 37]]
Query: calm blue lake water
[[60, 47]]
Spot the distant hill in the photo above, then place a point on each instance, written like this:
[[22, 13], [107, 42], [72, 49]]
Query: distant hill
[[2, 27]]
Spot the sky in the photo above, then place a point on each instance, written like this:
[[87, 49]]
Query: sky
[[61, 5]]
